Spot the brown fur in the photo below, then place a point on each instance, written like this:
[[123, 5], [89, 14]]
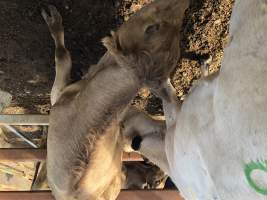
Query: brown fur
[[84, 141]]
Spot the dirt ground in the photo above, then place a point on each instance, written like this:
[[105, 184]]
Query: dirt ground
[[27, 50], [205, 31]]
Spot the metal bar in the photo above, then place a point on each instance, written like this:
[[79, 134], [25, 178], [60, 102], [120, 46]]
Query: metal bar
[[124, 195], [24, 120], [24, 155], [27, 140]]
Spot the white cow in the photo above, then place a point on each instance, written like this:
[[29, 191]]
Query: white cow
[[215, 146]]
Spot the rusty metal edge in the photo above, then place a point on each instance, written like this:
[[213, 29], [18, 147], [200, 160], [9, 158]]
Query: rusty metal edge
[[124, 195], [23, 155]]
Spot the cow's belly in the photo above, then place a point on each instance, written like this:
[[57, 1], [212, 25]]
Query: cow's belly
[[212, 146], [241, 129], [187, 165]]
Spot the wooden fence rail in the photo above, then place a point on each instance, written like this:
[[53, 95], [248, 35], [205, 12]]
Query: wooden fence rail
[[124, 195], [22, 155], [19, 155]]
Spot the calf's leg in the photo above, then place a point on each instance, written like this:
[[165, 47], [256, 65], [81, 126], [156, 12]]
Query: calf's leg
[[62, 55]]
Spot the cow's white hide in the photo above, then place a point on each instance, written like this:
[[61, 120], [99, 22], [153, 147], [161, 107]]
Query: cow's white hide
[[222, 125]]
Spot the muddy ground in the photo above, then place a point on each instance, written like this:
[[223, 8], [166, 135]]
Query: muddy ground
[[27, 50]]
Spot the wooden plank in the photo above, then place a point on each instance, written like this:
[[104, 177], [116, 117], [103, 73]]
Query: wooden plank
[[23, 155], [149, 195], [26, 196], [124, 195], [24, 119], [132, 157]]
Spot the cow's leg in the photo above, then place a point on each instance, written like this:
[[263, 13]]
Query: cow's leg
[[171, 104], [62, 55], [205, 70]]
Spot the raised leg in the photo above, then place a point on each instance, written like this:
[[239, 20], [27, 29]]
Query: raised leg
[[62, 57], [205, 70], [171, 104]]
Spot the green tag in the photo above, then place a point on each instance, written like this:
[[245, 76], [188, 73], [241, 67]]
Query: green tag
[[249, 168]]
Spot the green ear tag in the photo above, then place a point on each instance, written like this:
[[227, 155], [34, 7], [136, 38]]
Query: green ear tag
[[249, 168]]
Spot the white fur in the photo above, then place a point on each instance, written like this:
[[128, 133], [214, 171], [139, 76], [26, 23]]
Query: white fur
[[222, 125]]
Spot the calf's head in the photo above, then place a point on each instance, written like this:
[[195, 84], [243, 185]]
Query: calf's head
[[149, 41]]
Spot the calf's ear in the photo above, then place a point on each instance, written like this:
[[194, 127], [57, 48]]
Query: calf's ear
[[112, 43]]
